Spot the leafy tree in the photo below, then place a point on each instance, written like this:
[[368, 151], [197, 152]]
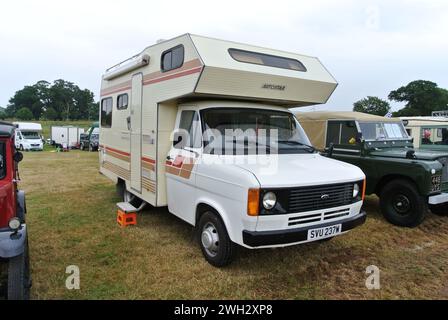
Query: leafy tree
[[2, 113], [24, 114], [62, 100], [94, 109], [50, 114], [421, 97], [372, 105]]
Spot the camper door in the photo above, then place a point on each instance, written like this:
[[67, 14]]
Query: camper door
[[136, 132]]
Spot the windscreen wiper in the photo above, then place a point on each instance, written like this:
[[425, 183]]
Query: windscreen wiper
[[310, 148]]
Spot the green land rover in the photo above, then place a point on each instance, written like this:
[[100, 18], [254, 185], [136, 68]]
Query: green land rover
[[407, 180]]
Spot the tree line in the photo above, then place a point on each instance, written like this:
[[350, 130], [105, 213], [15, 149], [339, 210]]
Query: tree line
[[60, 100], [421, 98]]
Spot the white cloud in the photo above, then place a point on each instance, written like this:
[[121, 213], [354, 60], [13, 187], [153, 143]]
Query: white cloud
[[371, 47]]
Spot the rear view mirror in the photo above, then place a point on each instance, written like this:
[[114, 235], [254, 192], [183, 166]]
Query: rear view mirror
[[18, 156]]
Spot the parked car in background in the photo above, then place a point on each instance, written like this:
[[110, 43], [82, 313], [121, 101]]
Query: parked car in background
[[66, 136], [430, 133], [90, 139], [14, 257], [405, 179], [28, 136]]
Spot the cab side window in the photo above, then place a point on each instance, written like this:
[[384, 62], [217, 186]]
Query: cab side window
[[188, 130], [341, 132], [106, 112]]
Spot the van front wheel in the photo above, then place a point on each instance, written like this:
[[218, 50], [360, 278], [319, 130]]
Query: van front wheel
[[214, 240], [402, 205]]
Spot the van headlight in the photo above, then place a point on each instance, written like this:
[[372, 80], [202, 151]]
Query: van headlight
[[14, 224], [356, 190], [269, 200]]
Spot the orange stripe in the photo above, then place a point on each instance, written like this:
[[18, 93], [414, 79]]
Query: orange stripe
[[148, 160], [189, 67], [118, 151]]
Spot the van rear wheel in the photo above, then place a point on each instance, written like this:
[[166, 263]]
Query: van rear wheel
[[126, 196], [402, 205], [214, 240]]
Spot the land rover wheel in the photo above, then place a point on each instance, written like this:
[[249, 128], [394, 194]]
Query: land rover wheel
[[402, 205], [214, 240], [82, 146], [19, 280], [91, 149], [440, 209]]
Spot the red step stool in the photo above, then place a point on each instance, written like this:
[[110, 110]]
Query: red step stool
[[126, 215]]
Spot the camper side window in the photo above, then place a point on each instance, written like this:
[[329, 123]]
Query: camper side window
[[172, 58], [122, 101], [188, 123], [106, 112]]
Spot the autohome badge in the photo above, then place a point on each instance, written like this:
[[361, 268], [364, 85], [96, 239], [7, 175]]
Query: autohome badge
[[274, 87]]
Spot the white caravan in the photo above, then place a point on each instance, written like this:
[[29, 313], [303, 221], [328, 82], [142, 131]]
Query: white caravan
[[163, 112], [28, 136], [66, 136], [428, 132]]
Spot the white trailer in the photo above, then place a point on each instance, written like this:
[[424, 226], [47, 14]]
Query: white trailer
[[163, 109], [66, 136]]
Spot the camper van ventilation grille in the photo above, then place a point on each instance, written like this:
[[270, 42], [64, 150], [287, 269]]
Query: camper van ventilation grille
[[320, 197], [317, 217]]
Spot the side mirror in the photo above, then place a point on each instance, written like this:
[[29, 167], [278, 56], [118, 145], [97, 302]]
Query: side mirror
[[359, 137], [177, 140], [18, 156]]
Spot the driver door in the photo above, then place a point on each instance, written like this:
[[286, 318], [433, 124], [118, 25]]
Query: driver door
[[181, 164]]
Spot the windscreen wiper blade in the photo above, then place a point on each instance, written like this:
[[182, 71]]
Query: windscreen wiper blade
[[310, 148]]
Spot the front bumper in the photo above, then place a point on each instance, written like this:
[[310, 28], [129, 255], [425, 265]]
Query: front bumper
[[438, 199], [12, 245], [282, 237]]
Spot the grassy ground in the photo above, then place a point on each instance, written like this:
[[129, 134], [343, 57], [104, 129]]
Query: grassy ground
[[71, 218]]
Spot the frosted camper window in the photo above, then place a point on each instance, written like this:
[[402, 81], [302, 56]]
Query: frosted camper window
[[122, 101], [266, 60], [172, 59], [106, 112]]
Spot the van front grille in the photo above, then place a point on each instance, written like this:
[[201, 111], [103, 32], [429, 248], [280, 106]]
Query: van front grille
[[320, 197]]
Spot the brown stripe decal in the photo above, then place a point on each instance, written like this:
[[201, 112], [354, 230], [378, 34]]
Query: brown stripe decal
[[149, 185], [189, 67], [119, 171]]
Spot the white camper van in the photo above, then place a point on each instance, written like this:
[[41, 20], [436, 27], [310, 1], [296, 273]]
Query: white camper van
[[66, 136], [165, 119], [28, 136]]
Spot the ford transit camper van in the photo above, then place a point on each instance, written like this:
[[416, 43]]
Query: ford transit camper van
[[202, 126]]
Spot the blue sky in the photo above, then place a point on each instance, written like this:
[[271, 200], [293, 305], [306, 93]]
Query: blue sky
[[371, 47]]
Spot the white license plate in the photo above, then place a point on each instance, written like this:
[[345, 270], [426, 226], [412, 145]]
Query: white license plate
[[325, 232]]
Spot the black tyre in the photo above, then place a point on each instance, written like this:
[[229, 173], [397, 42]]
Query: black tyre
[[91, 148], [82, 146], [402, 205], [439, 209], [19, 279], [214, 240]]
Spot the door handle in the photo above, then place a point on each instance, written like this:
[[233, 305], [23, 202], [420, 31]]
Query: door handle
[[128, 122]]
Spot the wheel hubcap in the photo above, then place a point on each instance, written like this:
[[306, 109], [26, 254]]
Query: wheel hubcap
[[210, 239], [402, 204]]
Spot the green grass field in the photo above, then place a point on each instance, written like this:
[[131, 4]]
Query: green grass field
[[71, 220]]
